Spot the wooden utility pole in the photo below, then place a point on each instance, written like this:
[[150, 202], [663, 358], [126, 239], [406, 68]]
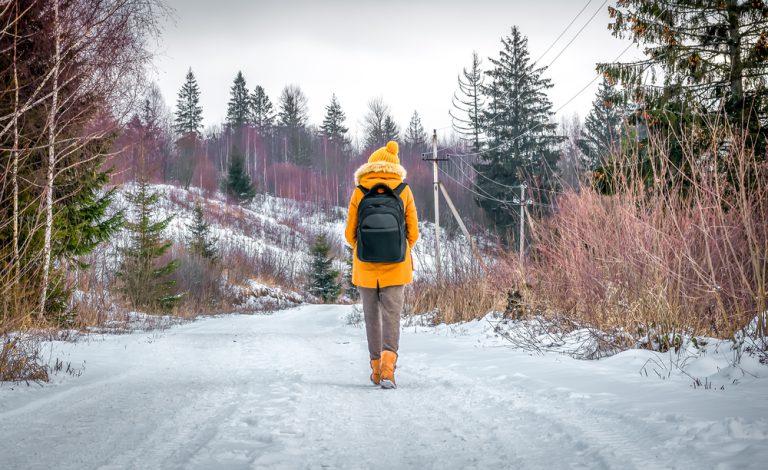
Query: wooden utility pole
[[522, 222], [437, 202], [436, 189]]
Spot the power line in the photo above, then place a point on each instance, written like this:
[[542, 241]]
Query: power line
[[578, 33], [562, 33], [490, 198], [555, 112]]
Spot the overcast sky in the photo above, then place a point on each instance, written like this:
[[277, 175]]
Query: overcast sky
[[407, 52]]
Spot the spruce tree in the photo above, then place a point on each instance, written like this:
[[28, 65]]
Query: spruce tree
[[323, 278], [380, 128], [143, 280], [262, 112], [200, 241], [187, 124], [189, 113], [391, 130], [712, 50], [239, 106], [238, 185], [468, 103], [333, 124], [415, 137], [711, 55], [573, 165], [602, 127], [522, 145], [293, 117], [350, 289]]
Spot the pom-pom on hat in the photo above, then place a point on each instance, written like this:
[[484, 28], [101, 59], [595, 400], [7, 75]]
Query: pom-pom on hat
[[387, 153]]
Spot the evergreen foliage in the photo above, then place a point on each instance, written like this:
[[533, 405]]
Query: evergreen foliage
[[468, 103], [262, 111], [521, 146], [189, 113], [711, 55], [324, 280], [144, 281], [239, 106], [350, 290], [415, 137], [380, 128], [602, 127], [391, 130], [333, 124], [81, 218], [573, 165], [200, 241], [293, 116], [238, 185]]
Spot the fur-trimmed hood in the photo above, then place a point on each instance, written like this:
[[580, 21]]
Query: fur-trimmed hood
[[379, 167]]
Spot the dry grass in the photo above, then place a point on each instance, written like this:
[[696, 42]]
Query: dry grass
[[453, 301], [20, 360], [670, 253], [464, 291]]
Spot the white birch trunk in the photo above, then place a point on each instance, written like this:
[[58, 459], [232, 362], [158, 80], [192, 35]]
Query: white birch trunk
[[48, 191], [15, 163]]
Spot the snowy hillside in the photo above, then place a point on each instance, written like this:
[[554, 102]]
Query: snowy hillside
[[291, 390], [267, 224]]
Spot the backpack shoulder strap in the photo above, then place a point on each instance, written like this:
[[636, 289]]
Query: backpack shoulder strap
[[363, 189], [399, 189]]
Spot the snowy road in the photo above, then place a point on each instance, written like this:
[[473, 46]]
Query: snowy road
[[290, 391]]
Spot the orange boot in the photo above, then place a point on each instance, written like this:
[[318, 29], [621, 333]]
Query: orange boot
[[388, 360], [376, 374]]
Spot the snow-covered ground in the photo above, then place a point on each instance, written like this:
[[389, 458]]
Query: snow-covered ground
[[291, 390]]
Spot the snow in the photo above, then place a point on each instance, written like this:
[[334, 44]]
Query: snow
[[290, 390], [278, 225]]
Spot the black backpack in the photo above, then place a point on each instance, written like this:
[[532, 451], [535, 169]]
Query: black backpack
[[381, 225]]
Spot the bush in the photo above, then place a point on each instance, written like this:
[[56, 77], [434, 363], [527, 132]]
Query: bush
[[20, 360], [464, 291], [201, 280], [669, 253]]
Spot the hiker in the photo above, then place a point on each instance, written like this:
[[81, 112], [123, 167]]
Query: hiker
[[382, 228]]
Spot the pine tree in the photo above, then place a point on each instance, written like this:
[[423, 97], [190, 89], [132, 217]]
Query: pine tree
[[380, 128], [350, 290], [200, 241], [323, 278], [239, 106], [238, 185], [712, 55], [573, 165], [293, 117], [262, 112], [468, 102], [415, 137], [391, 131], [143, 281], [187, 124], [189, 113], [522, 145], [602, 127], [333, 124]]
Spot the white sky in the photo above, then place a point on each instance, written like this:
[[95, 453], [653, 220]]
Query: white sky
[[407, 52]]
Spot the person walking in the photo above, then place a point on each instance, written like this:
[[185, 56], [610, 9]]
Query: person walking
[[382, 228]]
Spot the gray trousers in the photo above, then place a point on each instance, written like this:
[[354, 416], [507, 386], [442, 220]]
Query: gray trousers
[[382, 308]]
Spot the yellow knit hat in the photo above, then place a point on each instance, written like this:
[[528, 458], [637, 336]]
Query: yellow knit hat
[[386, 154]]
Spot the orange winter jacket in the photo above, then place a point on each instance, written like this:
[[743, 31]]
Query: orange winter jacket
[[382, 274]]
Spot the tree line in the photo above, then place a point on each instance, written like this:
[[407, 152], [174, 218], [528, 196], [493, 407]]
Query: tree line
[[77, 117]]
